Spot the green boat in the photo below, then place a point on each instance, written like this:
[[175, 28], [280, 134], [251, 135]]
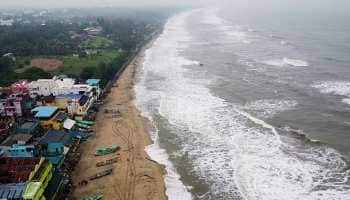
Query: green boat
[[90, 123], [107, 150], [83, 125]]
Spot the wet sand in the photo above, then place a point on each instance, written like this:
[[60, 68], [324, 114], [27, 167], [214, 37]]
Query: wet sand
[[135, 176]]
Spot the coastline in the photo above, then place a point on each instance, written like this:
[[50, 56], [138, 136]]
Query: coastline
[[136, 175]]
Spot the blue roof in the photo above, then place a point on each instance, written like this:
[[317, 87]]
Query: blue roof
[[69, 96], [12, 191], [44, 111], [92, 82], [56, 137]]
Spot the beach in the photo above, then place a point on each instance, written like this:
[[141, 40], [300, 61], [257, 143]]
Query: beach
[[135, 176]]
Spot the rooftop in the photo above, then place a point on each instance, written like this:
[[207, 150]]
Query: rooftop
[[27, 126], [56, 137], [14, 139], [44, 111], [12, 191], [93, 82], [69, 96], [31, 189], [61, 116]]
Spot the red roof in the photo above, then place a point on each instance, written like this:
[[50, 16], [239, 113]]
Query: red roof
[[20, 87]]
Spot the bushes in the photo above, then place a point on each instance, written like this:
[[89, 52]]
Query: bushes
[[104, 71]]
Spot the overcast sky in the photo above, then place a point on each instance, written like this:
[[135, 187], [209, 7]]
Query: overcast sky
[[244, 4], [93, 3]]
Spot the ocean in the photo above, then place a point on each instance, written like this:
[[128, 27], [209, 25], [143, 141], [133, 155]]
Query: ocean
[[250, 106]]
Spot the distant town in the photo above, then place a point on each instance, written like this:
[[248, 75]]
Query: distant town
[[56, 68]]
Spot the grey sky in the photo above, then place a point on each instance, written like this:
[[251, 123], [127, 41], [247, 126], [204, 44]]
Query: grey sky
[[93, 3], [251, 5]]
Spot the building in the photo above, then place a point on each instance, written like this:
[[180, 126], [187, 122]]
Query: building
[[6, 22], [13, 191], [55, 145], [93, 30], [18, 145], [24, 178], [31, 127], [80, 106], [50, 117], [55, 86], [16, 170], [20, 87], [11, 56], [58, 86], [15, 105], [95, 84]]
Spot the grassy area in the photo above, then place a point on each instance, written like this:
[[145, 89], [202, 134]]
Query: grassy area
[[96, 42], [22, 61], [74, 65]]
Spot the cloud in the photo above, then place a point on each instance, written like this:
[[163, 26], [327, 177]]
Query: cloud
[[94, 3]]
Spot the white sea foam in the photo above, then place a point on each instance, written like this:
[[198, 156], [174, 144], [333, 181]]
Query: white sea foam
[[286, 62], [175, 189], [237, 154], [267, 108], [234, 33], [347, 101], [340, 88]]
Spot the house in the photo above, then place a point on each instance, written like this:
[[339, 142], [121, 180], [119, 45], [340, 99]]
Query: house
[[24, 178], [18, 145], [20, 139], [12, 191], [80, 107], [93, 30], [95, 84], [55, 185], [38, 180], [10, 55], [21, 151], [16, 170], [6, 22], [50, 117], [54, 146], [58, 86], [20, 87], [55, 86], [12, 106], [16, 104], [31, 127]]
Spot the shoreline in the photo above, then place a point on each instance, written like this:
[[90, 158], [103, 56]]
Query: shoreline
[[136, 176]]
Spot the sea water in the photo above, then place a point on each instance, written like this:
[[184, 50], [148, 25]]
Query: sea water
[[247, 110]]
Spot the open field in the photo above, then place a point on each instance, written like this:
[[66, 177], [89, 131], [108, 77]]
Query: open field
[[96, 42]]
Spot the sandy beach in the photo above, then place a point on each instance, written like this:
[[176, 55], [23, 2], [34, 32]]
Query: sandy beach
[[135, 176]]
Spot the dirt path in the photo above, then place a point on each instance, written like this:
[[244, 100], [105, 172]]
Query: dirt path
[[136, 176]]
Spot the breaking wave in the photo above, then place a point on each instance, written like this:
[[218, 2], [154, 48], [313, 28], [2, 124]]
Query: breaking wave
[[268, 108], [238, 155], [340, 88], [286, 62]]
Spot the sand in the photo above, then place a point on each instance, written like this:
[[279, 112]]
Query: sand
[[46, 64], [135, 176]]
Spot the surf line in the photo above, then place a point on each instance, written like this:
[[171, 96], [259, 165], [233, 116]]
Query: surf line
[[259, 122]]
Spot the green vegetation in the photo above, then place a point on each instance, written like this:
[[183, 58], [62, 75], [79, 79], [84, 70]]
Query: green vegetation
[[9, 76], [96, 42], [63, 35], [74, 65]]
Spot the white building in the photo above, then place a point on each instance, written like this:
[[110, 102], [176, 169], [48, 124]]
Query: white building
[[6, 22], [54, 86], [57, 86]]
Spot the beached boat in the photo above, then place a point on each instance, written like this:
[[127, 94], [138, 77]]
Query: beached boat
[[85, 122], [107, 150]]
